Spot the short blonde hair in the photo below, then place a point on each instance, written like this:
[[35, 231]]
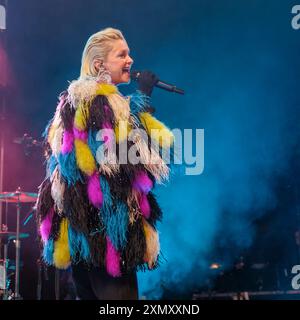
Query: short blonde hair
[[97, 48]]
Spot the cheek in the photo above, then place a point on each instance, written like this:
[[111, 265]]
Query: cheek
[[111, 65], [116, 68]]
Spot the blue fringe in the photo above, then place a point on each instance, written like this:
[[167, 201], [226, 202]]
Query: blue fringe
[[51, 165], [106, 192], [138, 102], [46, 130], [115, 217], [78, 245], [93, 143], [68, 167], [48, 252]]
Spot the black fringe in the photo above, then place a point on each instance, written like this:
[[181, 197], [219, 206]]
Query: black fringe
[[97, 244], [134, 252], [120, 184], [84, 217], [94, 222], [45, 201], [155, 213], [67, 114], [54, 233], [99, 115], [77, 208]]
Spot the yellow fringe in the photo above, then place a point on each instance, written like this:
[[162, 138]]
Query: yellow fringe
[[120, 107], [106, 89], [84, 157], [152, 244], [61, 255], [81, 116], [157, 130], [122, 129]]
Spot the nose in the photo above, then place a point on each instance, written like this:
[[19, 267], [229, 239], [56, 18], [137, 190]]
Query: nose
[[130, 60]]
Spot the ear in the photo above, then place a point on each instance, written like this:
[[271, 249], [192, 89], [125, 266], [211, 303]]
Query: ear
[[98, 63]]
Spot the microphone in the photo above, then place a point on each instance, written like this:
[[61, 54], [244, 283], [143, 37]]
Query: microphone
[[160, 84]]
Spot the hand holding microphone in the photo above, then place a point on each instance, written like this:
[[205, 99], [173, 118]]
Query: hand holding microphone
[[147, 80]]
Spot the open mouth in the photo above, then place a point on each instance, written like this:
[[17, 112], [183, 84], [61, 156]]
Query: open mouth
[[126, 70]]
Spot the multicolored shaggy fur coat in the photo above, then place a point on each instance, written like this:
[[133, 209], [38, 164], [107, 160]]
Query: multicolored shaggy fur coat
[[96, 204]]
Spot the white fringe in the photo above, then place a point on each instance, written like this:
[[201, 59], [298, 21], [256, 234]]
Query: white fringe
[[57, 190]]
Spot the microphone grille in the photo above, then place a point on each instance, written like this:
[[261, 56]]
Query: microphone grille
[[135, 74]]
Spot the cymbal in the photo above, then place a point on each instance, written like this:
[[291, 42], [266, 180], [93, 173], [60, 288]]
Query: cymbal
[[18, 196], [12, 235]]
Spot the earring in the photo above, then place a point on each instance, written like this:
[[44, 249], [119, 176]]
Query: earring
[[103, 75]]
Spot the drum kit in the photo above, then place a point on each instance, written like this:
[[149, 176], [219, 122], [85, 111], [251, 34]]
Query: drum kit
[[18, 197]]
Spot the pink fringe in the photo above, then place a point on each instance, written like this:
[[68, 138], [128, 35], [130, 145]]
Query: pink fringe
[[142, 182], [94, 191], [79, 134], [112, 259], [145, 206], [107, 134], [60, 104], [106, 108], [68, 142], [45, 227], [107, 125]]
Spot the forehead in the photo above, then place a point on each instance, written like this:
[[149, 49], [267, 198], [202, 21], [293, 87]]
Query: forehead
[[119, 45]]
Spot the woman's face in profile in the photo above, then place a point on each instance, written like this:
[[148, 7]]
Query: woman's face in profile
[[118, 62]]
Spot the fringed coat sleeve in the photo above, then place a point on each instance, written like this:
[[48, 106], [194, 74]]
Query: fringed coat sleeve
[[93, 206]]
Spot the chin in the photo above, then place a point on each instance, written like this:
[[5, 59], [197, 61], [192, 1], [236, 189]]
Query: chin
[[123, 81]]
